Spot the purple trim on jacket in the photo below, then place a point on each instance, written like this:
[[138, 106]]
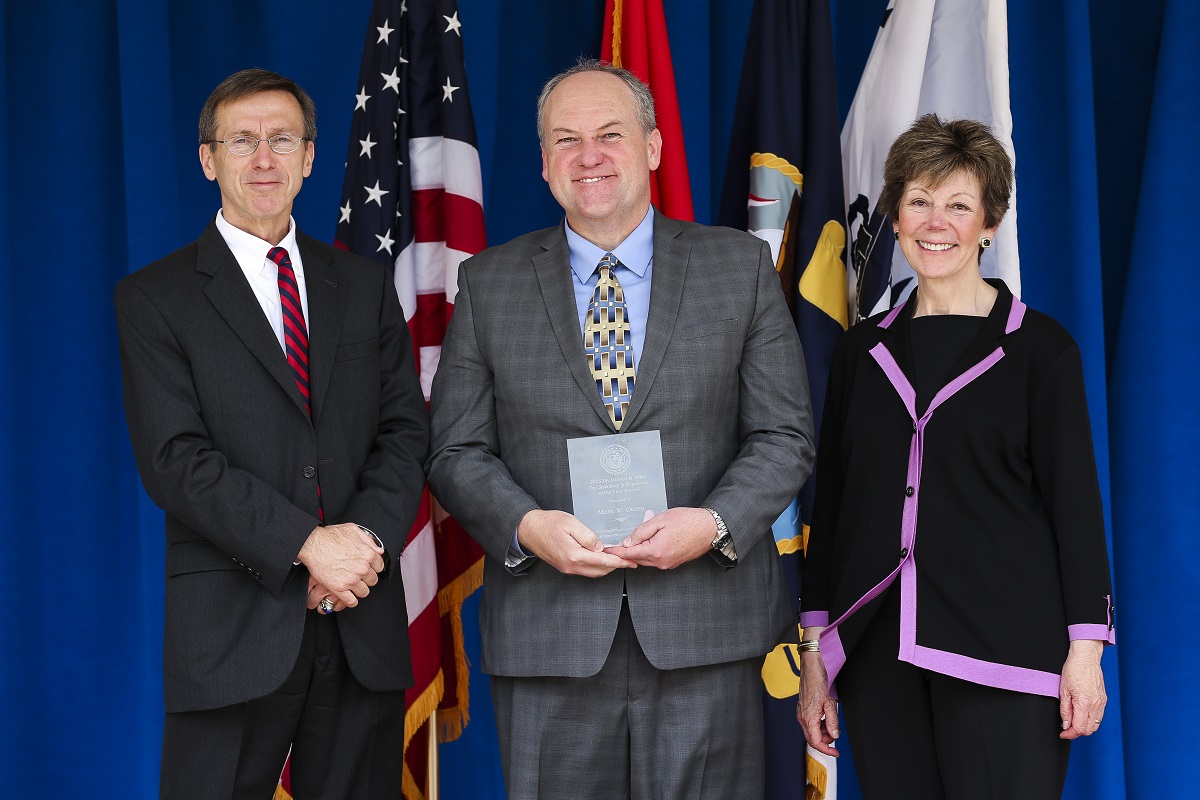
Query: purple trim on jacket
[[1101, 633], [816, 619]]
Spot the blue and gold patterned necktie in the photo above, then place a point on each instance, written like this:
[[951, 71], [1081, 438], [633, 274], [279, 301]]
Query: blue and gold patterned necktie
[[607, 342]]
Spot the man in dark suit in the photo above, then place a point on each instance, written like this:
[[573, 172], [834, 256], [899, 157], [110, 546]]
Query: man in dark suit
[[277, 418], [629, 670]]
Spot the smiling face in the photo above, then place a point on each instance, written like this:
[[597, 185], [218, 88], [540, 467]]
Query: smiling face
[[940, 227], [596, 158], [257, 190]]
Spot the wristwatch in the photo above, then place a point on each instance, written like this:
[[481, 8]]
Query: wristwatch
[[723, 544]]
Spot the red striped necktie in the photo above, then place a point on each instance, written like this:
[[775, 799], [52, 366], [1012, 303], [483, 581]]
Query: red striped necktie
[[295, 332], [295, 336]]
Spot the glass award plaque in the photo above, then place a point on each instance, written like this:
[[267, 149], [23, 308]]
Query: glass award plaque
[[615, 480]]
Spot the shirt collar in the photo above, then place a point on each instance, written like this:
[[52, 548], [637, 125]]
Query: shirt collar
[[635, 253], [251, 251]]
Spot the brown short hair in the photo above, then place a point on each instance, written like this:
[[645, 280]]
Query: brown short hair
[[253, 81], [933, 149], [641, 93]]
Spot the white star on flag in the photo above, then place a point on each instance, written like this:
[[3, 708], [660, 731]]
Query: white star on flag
[[452, 24], [360, 99], [386, 241], [391, 81], [448, 90], [384, 32], [366, 145], [345, 213], [375, 194]]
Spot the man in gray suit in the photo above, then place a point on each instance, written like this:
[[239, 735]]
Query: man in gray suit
[[629, 670], [276, 416]]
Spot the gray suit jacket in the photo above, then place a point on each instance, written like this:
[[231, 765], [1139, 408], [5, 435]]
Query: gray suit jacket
[[721, 377], [224, 445]]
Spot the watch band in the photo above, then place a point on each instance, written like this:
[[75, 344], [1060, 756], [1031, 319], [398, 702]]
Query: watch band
[[723, 543]]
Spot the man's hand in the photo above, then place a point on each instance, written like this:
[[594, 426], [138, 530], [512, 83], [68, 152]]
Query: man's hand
[[566, 544], [317, 592], [343, 559], [666, 540]]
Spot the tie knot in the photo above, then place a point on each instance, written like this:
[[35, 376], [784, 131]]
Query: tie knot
[[280, 256], [609, 262]]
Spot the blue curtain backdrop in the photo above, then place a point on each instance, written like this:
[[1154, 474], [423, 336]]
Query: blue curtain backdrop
[[100, 176]]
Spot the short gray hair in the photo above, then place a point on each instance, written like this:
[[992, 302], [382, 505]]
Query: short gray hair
[[641, 93]]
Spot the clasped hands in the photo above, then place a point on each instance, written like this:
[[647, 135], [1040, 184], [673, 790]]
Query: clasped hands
[[663, 541], [343, 564]]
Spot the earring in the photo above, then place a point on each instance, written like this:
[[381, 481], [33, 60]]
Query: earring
[[985, 242], [897, 234]]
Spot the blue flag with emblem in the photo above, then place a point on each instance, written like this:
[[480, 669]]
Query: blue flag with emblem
[[783, 183]]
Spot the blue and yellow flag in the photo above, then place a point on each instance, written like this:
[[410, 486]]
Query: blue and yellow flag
[[783, 183]]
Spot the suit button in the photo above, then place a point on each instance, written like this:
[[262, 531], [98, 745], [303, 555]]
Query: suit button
[[903, 553], [909, 491], [309, 472]]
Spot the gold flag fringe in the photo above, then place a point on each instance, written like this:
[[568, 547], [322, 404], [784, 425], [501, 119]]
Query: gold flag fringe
[[818, 778], [451, 721], [616, 34]]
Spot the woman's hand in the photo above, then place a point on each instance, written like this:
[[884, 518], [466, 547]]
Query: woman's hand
[[816, 711], [1081, 695]]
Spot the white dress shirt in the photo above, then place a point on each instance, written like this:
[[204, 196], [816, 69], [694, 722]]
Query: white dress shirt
[[262, 273]]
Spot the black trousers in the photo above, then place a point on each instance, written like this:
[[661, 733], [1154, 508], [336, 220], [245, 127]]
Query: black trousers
[[920, 735], [346, 741]]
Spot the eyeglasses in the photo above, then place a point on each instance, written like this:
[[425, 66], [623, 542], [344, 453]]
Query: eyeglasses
[[243, 145]]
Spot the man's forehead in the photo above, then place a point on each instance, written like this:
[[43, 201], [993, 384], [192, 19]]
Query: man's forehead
[[256, 104]]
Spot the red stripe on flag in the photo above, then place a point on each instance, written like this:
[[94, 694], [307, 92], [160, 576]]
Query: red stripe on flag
[[425, 636], [428, 223], [428, 324], [465, 230], [439, 216]]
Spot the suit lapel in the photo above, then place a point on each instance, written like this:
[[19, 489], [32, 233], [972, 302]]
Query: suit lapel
[[326, 307], [666, 292], [553, 270], [234, 300]]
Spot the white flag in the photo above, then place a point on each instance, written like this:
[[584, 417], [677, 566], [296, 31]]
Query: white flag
[[949, 57]]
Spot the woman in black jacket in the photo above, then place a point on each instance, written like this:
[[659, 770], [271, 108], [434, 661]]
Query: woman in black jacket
[[956, 582]]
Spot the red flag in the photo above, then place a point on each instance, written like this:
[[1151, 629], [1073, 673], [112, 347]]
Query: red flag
[[635, 37]]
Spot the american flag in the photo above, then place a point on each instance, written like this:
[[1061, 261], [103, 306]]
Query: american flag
[[413, 200]]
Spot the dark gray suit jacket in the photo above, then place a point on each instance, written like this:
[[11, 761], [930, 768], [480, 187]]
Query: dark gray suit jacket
[[224, 445], [721, 377]]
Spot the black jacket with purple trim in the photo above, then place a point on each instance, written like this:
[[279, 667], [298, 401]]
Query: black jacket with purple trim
[[985, 510]]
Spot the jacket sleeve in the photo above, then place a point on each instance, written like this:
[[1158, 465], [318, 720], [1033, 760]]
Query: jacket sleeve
[[465, 472], [1064, 465], [775, 418], [392, 478], [815, 597]]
